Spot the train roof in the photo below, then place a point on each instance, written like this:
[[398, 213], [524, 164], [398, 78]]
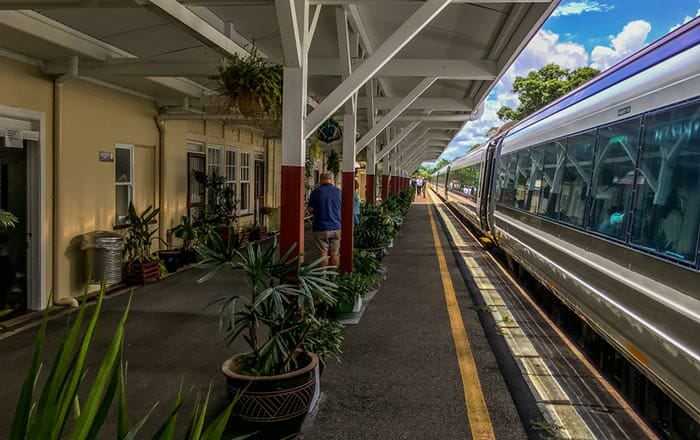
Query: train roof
[[673, 43]]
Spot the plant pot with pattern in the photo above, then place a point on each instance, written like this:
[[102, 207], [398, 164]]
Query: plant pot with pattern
[[274, 313], [141, 265]]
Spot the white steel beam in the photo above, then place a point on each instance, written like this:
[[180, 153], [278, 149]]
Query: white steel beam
[[436, 104], [181, 16], [403, 35], [394, 142], [311, 2], [138, 67], [47, 29], [290, 32], [433, 118], [478, 70], [395, 112], [183, 85]]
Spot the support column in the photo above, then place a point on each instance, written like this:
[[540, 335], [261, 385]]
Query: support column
[[346, 233], [293, 154], [385, 178], [370, 184]]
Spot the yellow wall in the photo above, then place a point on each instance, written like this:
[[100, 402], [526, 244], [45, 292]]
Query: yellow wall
[[23, 86], [90, 119], [94, 119]]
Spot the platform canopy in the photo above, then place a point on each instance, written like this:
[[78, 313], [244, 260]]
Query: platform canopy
[[434, 61]]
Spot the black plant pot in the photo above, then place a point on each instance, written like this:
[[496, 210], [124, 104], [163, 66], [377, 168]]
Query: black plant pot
[[171, 259], [272, 406], [189, 256]]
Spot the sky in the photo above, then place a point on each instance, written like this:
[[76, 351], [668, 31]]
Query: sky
[[579, 33]]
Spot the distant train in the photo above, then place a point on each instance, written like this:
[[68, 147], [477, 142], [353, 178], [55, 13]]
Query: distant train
[[598, 197]]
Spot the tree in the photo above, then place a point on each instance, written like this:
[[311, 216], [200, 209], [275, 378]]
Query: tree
[[543, 86]]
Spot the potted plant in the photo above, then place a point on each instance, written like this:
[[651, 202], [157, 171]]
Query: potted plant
[[273, 312], [333, 163], [252, 84], [141, 266], [187, 232], [7, 220], [351, 288]]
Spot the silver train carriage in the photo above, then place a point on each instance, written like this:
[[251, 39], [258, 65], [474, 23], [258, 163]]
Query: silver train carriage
[[598, 196]]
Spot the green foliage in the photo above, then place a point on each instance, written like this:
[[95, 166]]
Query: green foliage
[[333, 163], [187, 232], [465, 176], [541, 87], [250, 77], [350, 286], [315, 149], [325, 338], [220, 207], [7, 220], [139, 236], [274, 311], [374, 230], [367, 264], [53, 410]]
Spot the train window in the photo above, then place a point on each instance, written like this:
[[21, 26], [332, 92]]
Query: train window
[[506, 177], [576, 178], [667, 211], [522, 178], [500, 177], [536, 162], [613, 178], [553, 160]]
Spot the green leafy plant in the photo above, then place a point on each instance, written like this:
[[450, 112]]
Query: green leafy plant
[[276, 309], [351, 285], [139, 236], [325, 338], [54, 410], [220, 206], [187, 232], [252, 84], [7, 220], [367, 264], [333, 163]]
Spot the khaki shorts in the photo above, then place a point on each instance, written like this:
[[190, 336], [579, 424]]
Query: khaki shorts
[[327, 242]]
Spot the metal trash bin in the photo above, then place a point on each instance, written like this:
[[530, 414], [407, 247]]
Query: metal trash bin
[[104, 256]]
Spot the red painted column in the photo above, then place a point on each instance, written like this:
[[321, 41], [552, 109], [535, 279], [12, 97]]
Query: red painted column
[[347, 225], [292, 209], [370, 189], [385, 186]]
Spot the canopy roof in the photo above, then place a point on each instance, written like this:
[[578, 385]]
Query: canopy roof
[[167, 50]]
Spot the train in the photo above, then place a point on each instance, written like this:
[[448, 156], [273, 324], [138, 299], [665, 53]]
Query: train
[[597, 196]]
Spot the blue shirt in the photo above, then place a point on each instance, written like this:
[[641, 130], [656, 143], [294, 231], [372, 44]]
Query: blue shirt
[[356, 208], [326, 201]]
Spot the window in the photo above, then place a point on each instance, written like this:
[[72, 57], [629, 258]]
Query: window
[[576, 178], [536, 163], [230, 171], [213, 160], [553, 171], [123, 181], [245, 182], [522, 178], [506, 177], [613, 178], [667, 212]]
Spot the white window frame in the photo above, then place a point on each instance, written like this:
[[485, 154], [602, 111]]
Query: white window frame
[[248, 209], [129, 184], [231, 182], [210, 164]]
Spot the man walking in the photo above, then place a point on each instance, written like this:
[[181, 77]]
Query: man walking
[[325, 203]]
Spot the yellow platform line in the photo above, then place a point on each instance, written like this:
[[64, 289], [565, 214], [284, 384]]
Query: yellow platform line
[[478, 414]]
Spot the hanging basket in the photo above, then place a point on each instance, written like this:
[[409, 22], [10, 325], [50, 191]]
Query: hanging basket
[[250, 105], [330, 131]]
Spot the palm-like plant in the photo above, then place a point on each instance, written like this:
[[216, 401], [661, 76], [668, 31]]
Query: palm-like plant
[[7, 220], [275, 312], [137, 247]]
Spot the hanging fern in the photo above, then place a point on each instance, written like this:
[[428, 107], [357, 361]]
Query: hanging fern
[[333, 163]]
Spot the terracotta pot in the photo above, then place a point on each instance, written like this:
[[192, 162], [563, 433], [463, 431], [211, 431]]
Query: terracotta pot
[[274, 406]]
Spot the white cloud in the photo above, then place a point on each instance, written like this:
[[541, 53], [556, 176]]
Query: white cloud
[[628, 41], [580, 7]]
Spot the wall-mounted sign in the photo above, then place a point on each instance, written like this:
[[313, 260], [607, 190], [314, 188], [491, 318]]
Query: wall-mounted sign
[[13, 138], [623, 111], [106, 156]]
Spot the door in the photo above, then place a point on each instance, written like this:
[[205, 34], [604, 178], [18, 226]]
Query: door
[[14, 240], [259, 189], [196, 162]]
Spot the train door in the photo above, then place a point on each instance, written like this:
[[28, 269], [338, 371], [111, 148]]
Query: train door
[[486, 189]]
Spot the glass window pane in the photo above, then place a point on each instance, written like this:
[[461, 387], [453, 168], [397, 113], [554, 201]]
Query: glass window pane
[[122, 165], [123, 197], [613, 178], [522, 178], [501, 178], [535, 184], [213, 161], [571, 203], [548, 193], [667, 212], [230, 165], [245, 191]]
